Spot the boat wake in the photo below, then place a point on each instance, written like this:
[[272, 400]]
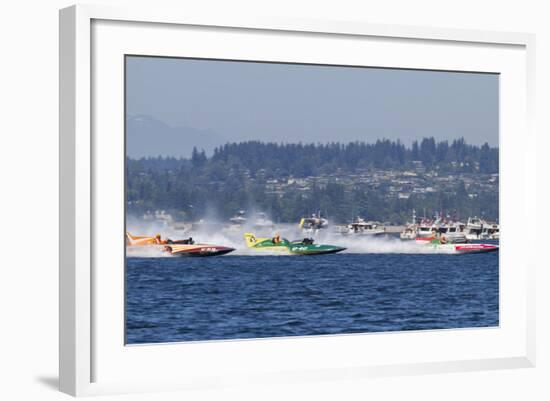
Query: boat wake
[[235, 239], [147, 252], [386, 244]]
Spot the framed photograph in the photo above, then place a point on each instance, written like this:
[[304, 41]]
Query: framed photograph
[[278, 200]]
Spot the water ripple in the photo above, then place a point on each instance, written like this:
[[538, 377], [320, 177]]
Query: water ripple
[[232, 297]]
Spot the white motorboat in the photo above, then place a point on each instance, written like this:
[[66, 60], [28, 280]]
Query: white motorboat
[[454, 231], [418, 229], [477, 228], [362, 227]]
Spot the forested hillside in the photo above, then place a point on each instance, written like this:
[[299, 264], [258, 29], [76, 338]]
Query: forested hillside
[[382, 181]]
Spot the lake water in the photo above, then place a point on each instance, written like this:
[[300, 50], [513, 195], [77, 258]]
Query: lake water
[[233, 297]]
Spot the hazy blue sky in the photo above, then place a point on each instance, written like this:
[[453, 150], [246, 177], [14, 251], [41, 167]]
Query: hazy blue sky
[[212, 102]]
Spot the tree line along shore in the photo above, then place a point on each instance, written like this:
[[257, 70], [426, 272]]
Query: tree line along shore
[[380, 181]]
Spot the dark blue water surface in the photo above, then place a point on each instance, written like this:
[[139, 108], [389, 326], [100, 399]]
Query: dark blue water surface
[[231, 297]]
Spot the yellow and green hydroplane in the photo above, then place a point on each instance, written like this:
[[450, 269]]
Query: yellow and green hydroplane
[[300, 247]]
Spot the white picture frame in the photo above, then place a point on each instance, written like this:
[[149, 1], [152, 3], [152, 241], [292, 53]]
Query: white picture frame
[[85, 323]]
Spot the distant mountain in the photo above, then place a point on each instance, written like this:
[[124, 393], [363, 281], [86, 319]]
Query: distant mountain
[[147, 136]]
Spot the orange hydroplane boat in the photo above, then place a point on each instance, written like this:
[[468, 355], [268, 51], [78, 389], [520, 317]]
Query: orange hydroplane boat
[[184, 247]]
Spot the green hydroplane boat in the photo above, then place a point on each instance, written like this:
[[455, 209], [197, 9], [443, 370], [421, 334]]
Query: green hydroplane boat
[[301, 247]]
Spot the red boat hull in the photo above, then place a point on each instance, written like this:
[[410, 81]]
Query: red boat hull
[[197, 250], [476, 248]]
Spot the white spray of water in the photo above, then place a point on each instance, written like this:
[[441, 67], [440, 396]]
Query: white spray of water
[[221, 234], [147, 252], [386, 244]]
